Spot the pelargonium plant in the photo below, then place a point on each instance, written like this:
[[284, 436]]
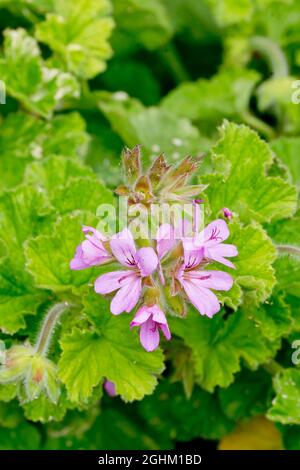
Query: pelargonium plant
[[177, 259]]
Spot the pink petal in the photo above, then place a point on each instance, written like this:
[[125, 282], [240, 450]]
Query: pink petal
[[192, 257], [123, 248], [216, 232], [166, 331], [217, 280], [183, 230], [218, 253], [149, 335], [205, 301], [141, 316], [146, 260], [112, 281], [98, 235], [165, 239], [127, 297], [110, 388], [158, 315]]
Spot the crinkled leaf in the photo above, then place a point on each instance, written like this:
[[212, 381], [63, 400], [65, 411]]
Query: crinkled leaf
[[208, 102], [78, 33], [82, 193], [48, 256], [218, 345], [146, 23], [54, 173], [43, 410], [38, 87], [285, 406], [24, 212], [18, 298], [287, 267], [241, 160], [288, 150], [113, 351], [254, 274]]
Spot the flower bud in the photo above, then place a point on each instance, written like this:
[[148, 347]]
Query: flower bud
[[24, 365]]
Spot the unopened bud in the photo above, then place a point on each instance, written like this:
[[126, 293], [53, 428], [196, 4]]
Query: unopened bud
[[132, 163]]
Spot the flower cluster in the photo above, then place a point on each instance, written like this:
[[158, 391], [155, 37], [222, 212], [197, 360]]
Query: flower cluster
[[174, 259], [171, 265]]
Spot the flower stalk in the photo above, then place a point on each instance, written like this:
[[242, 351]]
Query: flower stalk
[[50, 321], [289, 250]]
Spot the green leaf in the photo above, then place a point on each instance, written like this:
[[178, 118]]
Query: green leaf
[[18, 298], [254, 275], [82, 193], [241, 160], [274, 317], [54, 173], [287, 267], [144, 23], [48, 256], [44, 411], [209, 101], [156, 129], [291, 437], [112, 351], [25, 437], [10, 414], [275, 95], [8, 392], [24, 212], [229, 12], [173, 415], [248, 396], [288, 150], [78, 34], [27, 79], [119, 77], [25, 138], [218, 345], [285, 406]]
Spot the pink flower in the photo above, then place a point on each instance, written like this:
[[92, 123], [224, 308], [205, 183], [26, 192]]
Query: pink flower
[[197, 285], [151, 320], [227, 213], [90, 252], [209, 243], [128, 283], [110, 388]]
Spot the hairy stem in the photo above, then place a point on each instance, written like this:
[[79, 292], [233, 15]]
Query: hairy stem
[[289, 250], [273, 367], [47, 329], [258, 124], [273, 54]]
